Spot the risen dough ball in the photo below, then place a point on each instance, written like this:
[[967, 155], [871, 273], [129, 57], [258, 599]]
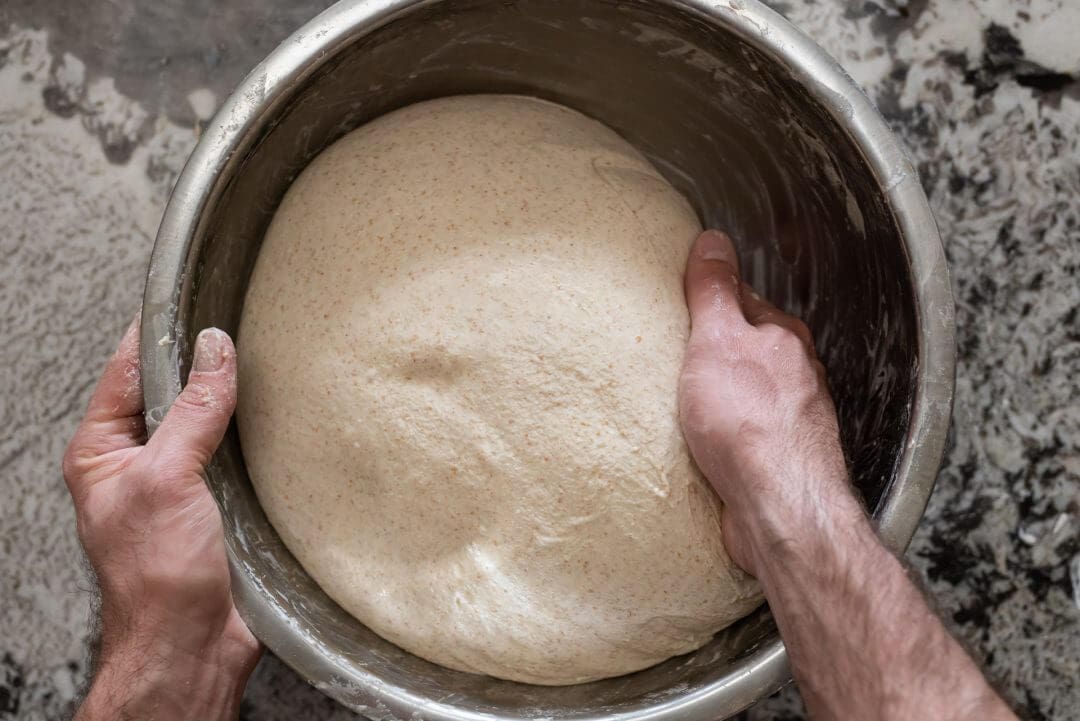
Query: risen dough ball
[[459, 358]]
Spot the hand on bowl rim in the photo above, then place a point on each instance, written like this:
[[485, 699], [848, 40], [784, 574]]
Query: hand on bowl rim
[[172, 642]]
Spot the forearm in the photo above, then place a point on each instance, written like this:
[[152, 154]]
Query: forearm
[[862, 641]]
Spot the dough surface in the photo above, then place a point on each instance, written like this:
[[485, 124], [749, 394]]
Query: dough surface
[[459, 356]]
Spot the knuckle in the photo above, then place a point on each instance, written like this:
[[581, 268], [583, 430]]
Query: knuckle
[[70, 465], [202, 397], [720, 282], [778, 339], [799, 327], [199, 397], [770, 333], [721, 269], [791, 344], [76, 462]]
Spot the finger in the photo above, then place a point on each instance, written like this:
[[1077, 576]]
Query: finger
[[713, 284], [119, 391], [760, 311], [196, 422], [113, 420]]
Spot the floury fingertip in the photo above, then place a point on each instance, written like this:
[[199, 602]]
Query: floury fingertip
[[211, 347]]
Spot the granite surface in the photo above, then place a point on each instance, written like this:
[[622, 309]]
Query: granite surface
[[97, 115]]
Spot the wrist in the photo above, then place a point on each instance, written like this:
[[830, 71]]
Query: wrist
[[150, 669], [797, 524]]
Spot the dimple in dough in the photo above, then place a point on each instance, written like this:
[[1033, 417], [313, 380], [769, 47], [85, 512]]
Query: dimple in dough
[[459, 357]]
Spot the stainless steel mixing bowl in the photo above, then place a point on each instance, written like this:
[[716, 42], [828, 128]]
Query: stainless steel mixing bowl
[[756, 124]]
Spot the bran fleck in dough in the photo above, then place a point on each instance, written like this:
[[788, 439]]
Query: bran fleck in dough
[[459, 357]]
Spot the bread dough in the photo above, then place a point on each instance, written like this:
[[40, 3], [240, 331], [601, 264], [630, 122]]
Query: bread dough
[[459, 357]]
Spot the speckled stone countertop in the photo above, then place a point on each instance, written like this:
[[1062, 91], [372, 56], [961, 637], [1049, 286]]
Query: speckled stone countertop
[[98, 113]]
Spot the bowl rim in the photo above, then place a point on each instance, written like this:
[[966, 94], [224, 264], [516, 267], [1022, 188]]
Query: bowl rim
[[226, 137]]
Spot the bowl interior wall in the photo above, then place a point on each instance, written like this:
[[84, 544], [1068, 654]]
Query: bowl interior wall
[[729, 126]]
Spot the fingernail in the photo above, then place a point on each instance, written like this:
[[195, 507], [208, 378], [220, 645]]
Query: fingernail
[[714, 245], [211, 347]]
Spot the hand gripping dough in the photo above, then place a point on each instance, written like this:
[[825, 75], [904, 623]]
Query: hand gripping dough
[[459, 357]]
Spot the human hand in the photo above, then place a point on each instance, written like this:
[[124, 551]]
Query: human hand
[[172, 643], [755, 408]]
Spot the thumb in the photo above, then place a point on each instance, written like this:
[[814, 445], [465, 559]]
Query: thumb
[[713, 286], [197, 420]]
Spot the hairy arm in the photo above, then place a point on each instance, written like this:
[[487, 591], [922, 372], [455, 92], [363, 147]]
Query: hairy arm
[[155, 678], [861, 638], [760, 422]]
